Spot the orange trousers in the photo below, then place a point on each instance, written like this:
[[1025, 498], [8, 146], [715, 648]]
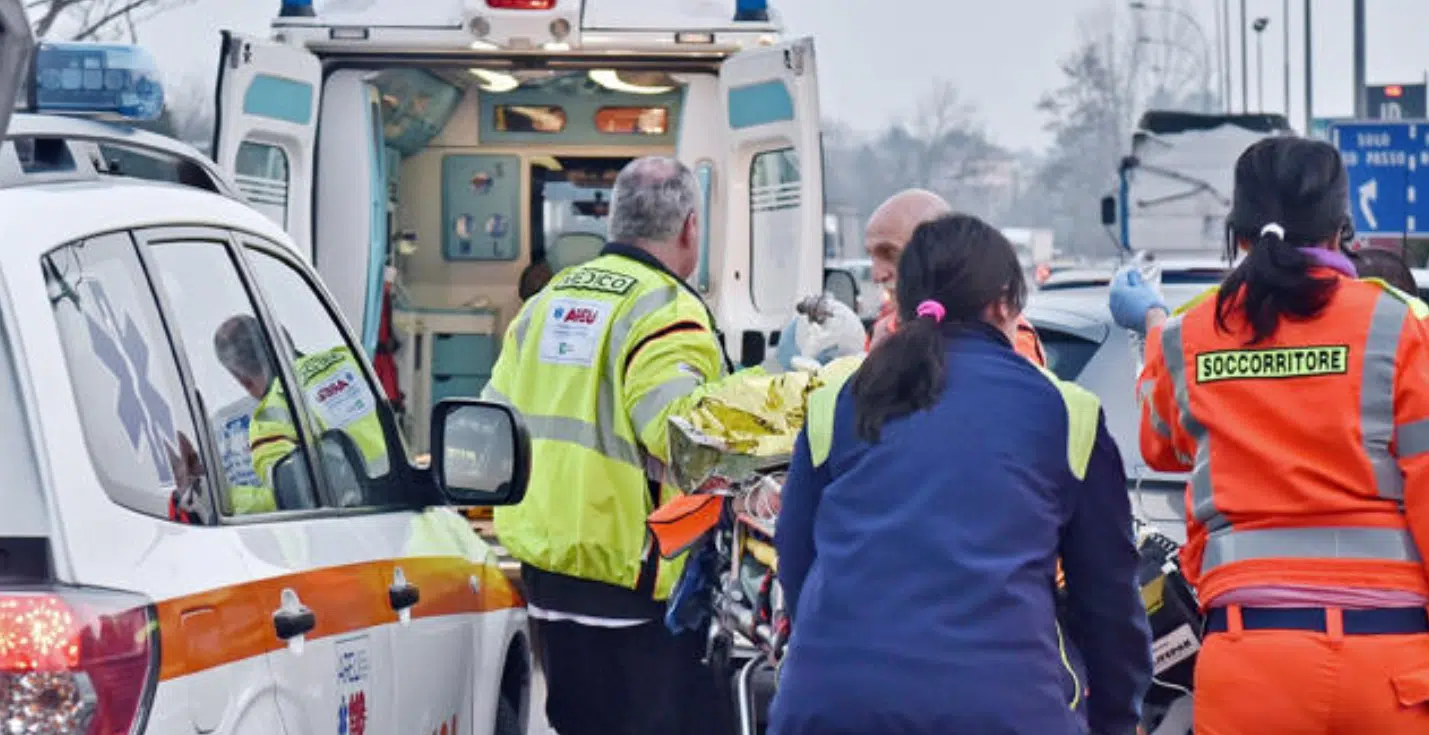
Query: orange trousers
[[1292, 682]]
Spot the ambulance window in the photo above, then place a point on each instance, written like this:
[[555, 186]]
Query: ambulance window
[[235, 375], [774, 229], [633, 120], [530, 119], [343, 403], [132, 408], [261, 173]]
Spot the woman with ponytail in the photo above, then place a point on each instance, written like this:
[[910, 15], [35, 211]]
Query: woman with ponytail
[[929, 498], [1298, 401]]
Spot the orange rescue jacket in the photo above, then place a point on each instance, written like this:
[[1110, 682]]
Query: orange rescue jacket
[[1308, 452]]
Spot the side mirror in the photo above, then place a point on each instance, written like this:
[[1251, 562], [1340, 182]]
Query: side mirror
[[1108, 210], [481, 452], [292, 486], [841, 285]]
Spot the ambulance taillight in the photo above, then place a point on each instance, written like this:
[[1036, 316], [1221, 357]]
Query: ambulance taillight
[[76, 660], [521, 4]]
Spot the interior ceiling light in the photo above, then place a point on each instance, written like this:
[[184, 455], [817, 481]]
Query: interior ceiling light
[[494, 81], [610, 79]]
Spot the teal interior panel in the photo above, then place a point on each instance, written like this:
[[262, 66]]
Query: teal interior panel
[[463, 354], [416, 105], [481, 206], [457, 386]]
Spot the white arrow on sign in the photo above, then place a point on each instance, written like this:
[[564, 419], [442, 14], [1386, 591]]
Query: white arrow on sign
[[1369, 191]]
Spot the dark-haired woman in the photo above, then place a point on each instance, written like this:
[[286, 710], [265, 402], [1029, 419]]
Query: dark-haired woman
[[1298, 398], [929, 498]]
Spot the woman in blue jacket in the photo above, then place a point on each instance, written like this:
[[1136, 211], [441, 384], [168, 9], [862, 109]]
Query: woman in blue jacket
[[926, 508]]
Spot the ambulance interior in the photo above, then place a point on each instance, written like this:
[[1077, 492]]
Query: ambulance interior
[[490, 183]]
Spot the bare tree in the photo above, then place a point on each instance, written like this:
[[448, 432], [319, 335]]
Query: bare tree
[[88, 20]]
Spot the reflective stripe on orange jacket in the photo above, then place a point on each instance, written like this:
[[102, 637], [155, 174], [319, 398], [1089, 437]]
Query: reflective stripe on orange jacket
[[1308, 452], [1028, 344]]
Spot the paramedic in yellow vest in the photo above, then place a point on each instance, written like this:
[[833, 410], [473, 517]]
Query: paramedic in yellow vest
[[334, 390], [239, 345], [595, 363]]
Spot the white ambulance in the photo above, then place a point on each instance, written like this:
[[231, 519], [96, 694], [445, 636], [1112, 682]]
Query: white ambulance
[[457, 153]]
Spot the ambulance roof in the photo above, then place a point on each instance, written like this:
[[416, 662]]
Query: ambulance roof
[[602, 14]]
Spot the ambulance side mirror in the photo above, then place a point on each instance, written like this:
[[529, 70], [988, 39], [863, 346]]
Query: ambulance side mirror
[[481, 452], [841, 285]]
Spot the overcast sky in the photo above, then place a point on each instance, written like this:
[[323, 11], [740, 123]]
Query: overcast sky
[[875, 57]]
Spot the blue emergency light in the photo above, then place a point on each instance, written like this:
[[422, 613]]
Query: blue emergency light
[[96, 80], [757, 10], [296, 9]]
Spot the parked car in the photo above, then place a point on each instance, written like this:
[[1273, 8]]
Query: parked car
[[210, 522]]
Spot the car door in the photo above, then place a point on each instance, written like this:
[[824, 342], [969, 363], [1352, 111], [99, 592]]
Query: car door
[[331, 658], [430, 561], [268, 96], [773, 195]]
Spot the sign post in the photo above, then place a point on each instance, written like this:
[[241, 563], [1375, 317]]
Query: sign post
[[1388, 166]]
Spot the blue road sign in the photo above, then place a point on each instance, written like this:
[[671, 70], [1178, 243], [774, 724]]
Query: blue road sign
[[1388, 164]]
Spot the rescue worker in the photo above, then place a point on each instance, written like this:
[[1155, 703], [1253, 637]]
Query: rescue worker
[[888, 230], [334, 391], [1298, 398], [1385, 265], [917, 548], [239, 345], [595, 362]]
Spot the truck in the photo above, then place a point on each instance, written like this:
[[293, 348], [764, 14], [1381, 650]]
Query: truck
[[440, 160], [1174, 187]]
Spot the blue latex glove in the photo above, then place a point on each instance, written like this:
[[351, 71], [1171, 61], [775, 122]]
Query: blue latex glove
[[1132, 298]]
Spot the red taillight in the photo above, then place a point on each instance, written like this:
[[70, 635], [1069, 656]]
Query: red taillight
[[521, 4], [75, 661]]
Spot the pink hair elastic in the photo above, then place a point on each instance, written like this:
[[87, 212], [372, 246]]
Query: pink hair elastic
[[932, 309]]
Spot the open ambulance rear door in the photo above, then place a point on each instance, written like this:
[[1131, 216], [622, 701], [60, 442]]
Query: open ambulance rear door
[[771, 251], [17, 43], [266, 126]]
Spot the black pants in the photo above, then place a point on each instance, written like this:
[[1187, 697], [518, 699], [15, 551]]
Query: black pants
[[639, 680]]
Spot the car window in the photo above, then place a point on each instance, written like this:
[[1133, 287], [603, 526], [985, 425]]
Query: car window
[[775, 221], [132, 407], [1066, 354], [343, 403], [234, 375]]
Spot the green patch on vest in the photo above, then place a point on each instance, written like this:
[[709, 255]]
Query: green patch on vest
[[1287, 362], [596, 279]]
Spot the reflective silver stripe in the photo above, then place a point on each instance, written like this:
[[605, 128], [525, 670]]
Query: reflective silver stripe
[[620, 330], [650, 405], [1377, 394], [274, 414], [495, 396], [1203, 503], [1380, 544], [523, 323], [591, 436], [1412, 439], [1158, 424]]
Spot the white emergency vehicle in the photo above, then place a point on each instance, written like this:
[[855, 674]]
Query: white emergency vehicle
[[151, 581], [457, 153]]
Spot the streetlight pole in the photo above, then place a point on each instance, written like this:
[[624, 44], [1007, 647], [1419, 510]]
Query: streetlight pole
[[1244, 67], [1309, 75], [1260, 24], [1285, 28], [1361, 101]]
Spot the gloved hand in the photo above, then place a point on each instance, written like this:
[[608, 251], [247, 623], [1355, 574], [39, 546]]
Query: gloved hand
[[1132, 298]]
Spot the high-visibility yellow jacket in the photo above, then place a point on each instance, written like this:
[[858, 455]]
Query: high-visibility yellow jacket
[[596, 362], [340, 398]]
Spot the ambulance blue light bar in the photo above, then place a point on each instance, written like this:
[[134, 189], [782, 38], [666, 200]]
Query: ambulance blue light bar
[[296, 9], [96, 80], [751, 10]]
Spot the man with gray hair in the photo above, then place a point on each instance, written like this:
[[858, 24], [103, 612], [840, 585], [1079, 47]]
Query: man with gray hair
[[595, 363]]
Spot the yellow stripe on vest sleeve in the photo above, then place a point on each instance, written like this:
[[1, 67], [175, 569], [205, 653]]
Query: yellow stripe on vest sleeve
[[819, 416], [1083, 415]]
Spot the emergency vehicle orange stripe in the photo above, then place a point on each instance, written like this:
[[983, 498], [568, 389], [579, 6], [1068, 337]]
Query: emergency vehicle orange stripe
[[222, 626]]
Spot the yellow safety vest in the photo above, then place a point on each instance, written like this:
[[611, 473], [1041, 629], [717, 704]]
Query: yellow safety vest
[[595, 363], [340, 398]]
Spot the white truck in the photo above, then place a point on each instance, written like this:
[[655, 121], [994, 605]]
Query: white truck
[[1174, 188], [456, 153]]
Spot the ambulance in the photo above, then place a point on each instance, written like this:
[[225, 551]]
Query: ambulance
[[440, 160]]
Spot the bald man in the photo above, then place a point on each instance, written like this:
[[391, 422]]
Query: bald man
[[889, 229]]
